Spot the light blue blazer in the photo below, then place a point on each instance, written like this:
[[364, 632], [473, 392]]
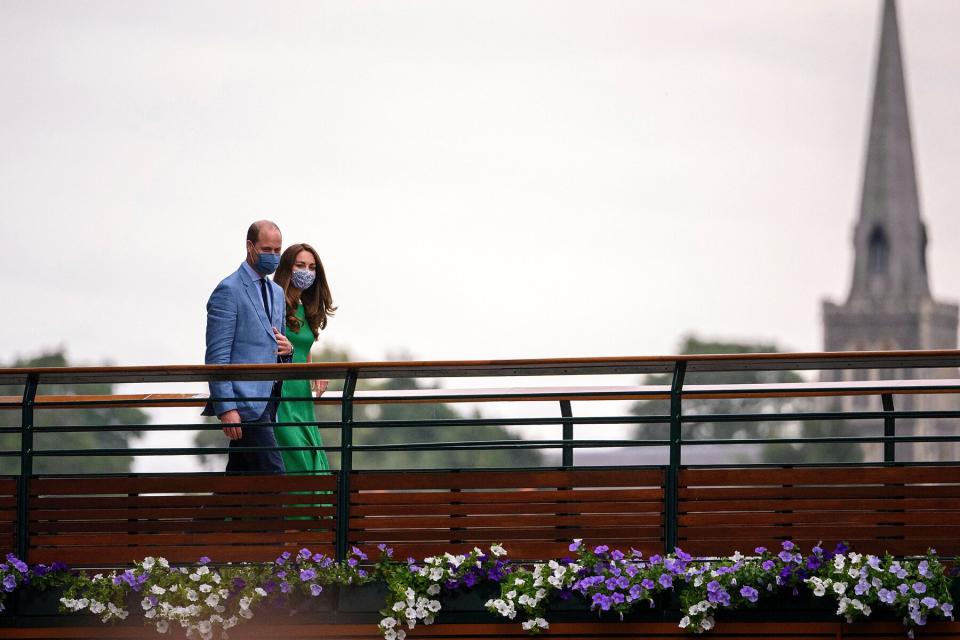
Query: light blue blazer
[[239, 332]]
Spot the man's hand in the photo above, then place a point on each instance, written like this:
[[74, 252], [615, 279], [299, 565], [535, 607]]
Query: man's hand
[[284, 348], [231, 421], [319, 386]]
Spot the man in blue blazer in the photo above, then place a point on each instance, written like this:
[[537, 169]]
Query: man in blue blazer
[[246, 321]]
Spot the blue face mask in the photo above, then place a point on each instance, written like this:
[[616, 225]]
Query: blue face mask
[[267, 263], [303, 278]]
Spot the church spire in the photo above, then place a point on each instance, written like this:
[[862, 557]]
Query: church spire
[[890, 239]]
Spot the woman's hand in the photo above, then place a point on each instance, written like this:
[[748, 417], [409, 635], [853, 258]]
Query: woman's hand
[[319, 386]]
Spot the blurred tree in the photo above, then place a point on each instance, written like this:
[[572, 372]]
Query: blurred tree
[[94, 416], [417, 432], [773, 452]]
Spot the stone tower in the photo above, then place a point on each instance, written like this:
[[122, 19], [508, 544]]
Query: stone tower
[[890, 305]]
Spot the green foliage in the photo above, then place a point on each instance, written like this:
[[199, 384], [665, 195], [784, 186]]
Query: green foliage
[[92, 417], [416, 432], [773, 452]]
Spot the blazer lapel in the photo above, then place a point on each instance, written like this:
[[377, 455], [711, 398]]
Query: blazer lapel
[[253, 292]]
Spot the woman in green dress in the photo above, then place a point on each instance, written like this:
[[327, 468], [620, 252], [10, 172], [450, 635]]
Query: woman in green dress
[[309, 303]]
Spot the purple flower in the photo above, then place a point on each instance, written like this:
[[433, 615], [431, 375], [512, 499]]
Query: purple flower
[[602, 601], [307, 575], [862, 587], [285, 587], [713, 586], [814, 562], [9, 583], [919, 587], [360, 554], [601, 549], [154, 600], [785, 556], [760, 550], [887, 596], [319, 557], [631, 569], [635, 592], [617, 555], [665, 580], [787, 545], [352, 562], [929, 602], [647, 584], [362, 573], [385, 550], [305, 553], [575, 546], [315, 589], [204, 560], [617, 597], [470, 580], [655, 559], [686, 557], [239, 584], [767, 565], [924, 568], [903, 588], [611, 584], [947, 609], [749, 593], [17, 563], [281, 574]]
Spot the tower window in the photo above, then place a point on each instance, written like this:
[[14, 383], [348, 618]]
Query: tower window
[[878, 252]]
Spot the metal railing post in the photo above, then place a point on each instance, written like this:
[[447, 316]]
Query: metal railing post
[[567, 452], [672, 488], [346, 464], [26, 466], [889, 429]]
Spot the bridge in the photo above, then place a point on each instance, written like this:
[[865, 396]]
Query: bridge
[[883, 504]]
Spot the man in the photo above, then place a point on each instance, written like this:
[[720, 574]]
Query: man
[[246, 325]]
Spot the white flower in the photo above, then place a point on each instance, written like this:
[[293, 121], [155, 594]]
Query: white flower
[[399, 606], [212, 600], [433, 589], [195, 577], [192, 595], [260, 591], [433, 606], [157, 589], [685, 622], [410, 614], [707, 623], [388, 623], [244, 603], [529, 624], [148, 562], [436, 573], [163, 563], [97, 607], [162, 626], [230, 622], [838, 561], [839, 587], [206, 588], [245, 613], [204, 570], [150, 613], [389, 634], [498, 550], [853, 572]]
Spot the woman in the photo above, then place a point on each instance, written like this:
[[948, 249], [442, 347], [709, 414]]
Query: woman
[[309, 303]]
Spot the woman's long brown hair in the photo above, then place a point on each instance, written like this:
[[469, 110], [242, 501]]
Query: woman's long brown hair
[[317, 299]]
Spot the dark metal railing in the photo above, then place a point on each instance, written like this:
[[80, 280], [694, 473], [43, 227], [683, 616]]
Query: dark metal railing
[[682, 370]]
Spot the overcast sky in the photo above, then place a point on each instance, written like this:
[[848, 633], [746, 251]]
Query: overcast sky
[[482, 179]]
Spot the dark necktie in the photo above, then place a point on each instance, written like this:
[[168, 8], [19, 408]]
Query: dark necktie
[[266, 298]]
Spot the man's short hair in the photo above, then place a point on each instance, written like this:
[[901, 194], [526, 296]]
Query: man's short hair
[[253, 233]]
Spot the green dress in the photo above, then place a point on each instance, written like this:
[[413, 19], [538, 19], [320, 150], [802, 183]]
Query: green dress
[[301, 411]]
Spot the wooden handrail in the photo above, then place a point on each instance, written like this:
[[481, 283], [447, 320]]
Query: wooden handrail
[[535, 394], [949, 358]]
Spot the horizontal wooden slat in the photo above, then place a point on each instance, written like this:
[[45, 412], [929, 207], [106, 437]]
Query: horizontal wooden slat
[[825, 532], [502, 535], [100, 540], [688, 494], [507, 508], [809, 517], [304, 524], [183, 512], [820, 476], [858, 505], [426, 522], [81, 557], [501, 497], [180, 484], [393, 481], [156, 504]]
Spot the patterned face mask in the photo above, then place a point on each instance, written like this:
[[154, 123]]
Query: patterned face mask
[[303, 278]]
